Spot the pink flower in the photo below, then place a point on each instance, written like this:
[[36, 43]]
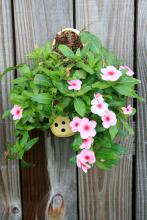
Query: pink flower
[[83, 166], [129, 71], [74, 84], [110, 73], [84, 158], [87, 128], [109, 119], [87, 143], [16, 112], [74, 124], [98, 97], [87, 156], [99, 107], [127, 110]]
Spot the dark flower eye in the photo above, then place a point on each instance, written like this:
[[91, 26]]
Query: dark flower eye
[[63, 130], [56, 124], [63, 122]]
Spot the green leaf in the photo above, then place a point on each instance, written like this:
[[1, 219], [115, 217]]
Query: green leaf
[[141, 99], [107, 164], [24, 69], [125, 90], [104, 141], [79, 106], [85, 67], [25, 164], [120, 149], [66, 51], [42, 98], [17, 99], [85, 50], [133, 112], [129, 81], [62, 87], [47, 49], [83, 90], [30, 144], [79, 74], [87, 99], [92, 40], [6, 71], [24, 139], [113, 131], [19, 80], [42, 80], [65, 102], [52, 73], [115, 102], [100, 85], [106, 154], [77, 142], [72, 160], [6, 114], [127, 126]]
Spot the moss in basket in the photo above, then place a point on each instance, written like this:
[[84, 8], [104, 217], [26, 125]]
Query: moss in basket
[[74, 83]]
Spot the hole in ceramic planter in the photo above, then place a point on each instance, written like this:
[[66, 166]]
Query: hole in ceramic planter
[[63, 122], [56, 124], [63, 130], [69, 37]]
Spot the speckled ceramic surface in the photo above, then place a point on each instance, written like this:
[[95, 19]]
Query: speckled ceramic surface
[[61, 128]]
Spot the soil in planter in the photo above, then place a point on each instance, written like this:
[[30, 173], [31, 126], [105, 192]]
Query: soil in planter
[[68, 38]]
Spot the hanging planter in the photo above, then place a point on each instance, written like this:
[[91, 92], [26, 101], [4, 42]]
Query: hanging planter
[[77, 87]]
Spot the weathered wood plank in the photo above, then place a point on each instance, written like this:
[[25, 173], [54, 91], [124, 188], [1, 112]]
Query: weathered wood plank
[[108, 195], [35, 22], [141, 151], [105, 195], [10, 199]]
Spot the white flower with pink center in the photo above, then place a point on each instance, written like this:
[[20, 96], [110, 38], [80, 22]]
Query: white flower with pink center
[[74, 124], [110, 73], [127, 110], [87, 143], [74, 84], [84, 158], [98, 97], [87, 128], [129, 71], [109, 119], [16, 112], [99, 107]]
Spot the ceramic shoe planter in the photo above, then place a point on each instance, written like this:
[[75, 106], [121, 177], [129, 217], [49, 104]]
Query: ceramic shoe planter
[[61, 128]]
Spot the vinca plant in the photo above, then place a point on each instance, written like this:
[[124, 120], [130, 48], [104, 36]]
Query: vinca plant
[[89, 86]]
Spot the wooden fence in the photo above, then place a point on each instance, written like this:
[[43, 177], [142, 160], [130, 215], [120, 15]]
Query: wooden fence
[[52, 188]]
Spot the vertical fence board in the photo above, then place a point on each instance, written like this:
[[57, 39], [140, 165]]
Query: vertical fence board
[[108, 195], [35, 22], [10, 201], [141, 151]]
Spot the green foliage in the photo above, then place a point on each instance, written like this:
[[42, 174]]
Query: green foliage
[[77, 142], [41, 80], [42, 98], [79, 106], [100, 85], [66, 51], [113, 131], [41, 90]]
